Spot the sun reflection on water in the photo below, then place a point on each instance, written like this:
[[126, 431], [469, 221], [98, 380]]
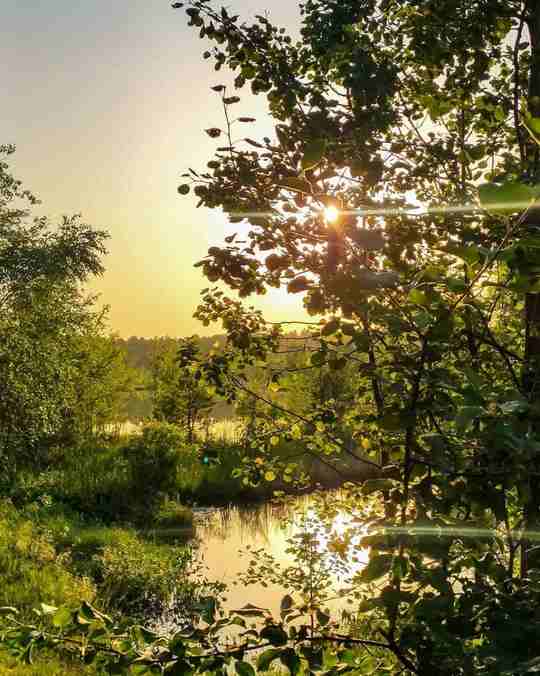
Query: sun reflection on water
[[227, 536]]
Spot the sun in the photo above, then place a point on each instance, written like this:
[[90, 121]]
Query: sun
[[331, 214]]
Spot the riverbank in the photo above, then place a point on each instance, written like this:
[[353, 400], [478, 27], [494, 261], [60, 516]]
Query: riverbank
[[53, 556], [155, 476]]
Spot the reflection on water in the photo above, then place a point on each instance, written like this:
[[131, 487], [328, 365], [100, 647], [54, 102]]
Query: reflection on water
[[224, 536]]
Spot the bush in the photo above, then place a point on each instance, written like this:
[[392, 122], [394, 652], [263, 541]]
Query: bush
[[159, 460], [218, 486], [115, 481], [172, 515], [95, 481], [142, 579]]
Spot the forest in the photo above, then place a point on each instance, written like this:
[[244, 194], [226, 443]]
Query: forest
[[398, 200]]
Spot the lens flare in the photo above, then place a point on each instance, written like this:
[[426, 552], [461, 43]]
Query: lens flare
[[331, 214]]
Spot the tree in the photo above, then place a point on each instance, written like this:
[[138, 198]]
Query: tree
[[43, 314], [103, 387], [178, 395], [34, 251], [384, 105]]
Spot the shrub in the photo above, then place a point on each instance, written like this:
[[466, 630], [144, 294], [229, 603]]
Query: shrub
[[171, 515], [142, 579], [95, 481], [157, 460], [218, 485]]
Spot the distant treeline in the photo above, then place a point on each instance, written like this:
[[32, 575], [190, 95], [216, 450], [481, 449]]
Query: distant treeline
[[140, 355], [140, 352]]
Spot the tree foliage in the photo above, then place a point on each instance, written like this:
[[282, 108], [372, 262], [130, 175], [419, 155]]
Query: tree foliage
[[179, 396], [43, 317], [417, 123]]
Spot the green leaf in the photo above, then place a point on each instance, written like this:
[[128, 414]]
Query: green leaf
[[87, 613], [62, 617], [244, 669], [141, 670], [274, 635], [418, 297], [27, 656], [476, 380], [313, 154], [317, 359], [291, 660], [534, 123], [456, 284], [266, 658], [322, 618], [391, 596], [8, 610], [145, 635], [378, 565], [376, 485], [48, 610], [348, 656], [469, 254], [314, 656], [515, 406], [466, 416], [331, 327], [400, 567], [391, 422]]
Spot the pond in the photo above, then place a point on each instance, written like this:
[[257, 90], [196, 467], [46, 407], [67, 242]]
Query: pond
[[227, 537]]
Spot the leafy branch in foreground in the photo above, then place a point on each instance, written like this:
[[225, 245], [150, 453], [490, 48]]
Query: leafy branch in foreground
[[207, 648]]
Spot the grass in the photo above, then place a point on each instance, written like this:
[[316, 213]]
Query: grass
[[45, 665], [53, 556], [228, 431], [30, 568], [172, 515]]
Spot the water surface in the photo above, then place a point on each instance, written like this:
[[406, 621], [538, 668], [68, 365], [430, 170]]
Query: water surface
[[226, 537]]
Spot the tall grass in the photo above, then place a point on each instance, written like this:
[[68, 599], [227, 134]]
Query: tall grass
[[225, 431]]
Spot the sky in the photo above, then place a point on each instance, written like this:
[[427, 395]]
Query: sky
[[107, 102]]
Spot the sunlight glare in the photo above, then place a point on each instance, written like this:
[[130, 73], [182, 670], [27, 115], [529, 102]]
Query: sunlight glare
[[331, 214]]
